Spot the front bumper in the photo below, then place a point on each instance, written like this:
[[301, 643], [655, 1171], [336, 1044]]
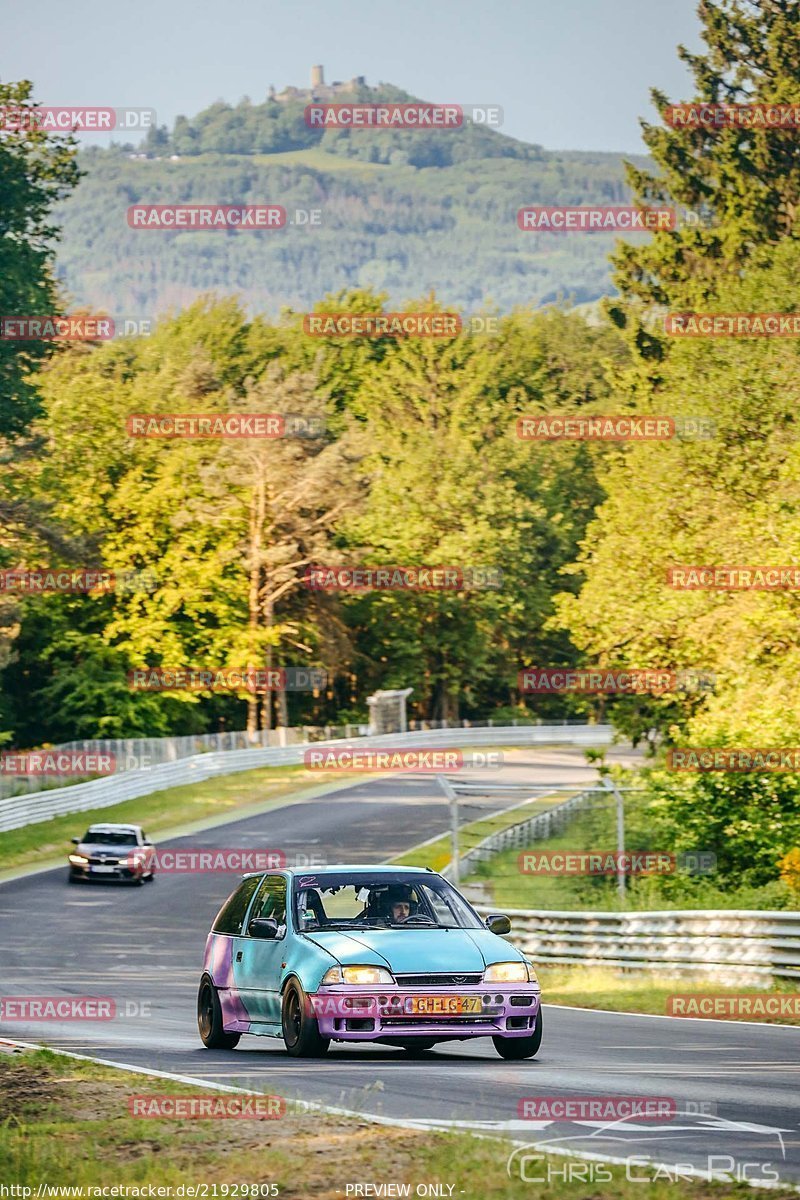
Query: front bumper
[[118, 871], [354, 1014]]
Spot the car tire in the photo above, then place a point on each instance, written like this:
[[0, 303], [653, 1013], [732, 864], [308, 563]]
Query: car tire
[[301, 1034], [209, 1019], [520, 1047], [150, 878]]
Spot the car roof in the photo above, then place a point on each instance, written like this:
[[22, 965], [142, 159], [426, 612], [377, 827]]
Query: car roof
[[333, 868], [112, 828]]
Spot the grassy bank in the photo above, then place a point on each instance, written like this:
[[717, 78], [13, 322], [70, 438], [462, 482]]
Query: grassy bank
[[639, 991], [507, 886], [67, 1123]]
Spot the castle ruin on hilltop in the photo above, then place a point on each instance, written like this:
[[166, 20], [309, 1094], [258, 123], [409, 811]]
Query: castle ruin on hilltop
[[319, 90]]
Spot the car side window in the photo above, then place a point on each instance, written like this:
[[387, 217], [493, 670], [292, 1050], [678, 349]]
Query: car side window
[[271, 901], [231, 915]]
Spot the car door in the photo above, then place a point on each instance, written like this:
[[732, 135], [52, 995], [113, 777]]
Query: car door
[[258, 961]]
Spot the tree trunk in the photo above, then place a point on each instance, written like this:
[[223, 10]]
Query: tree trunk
[[266, 704], [256, 525]]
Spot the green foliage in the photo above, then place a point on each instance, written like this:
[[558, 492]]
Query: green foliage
[[36, 170], [741, 186], [399, 229], [420, 465]]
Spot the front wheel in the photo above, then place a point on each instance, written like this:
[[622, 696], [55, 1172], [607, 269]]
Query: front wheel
[[520, 1047], [301, 1034], [209, 1019]]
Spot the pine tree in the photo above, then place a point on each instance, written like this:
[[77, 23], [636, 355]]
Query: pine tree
[[736, 189]]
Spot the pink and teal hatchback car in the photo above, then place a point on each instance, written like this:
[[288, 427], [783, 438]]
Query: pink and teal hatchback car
[[363, 954]]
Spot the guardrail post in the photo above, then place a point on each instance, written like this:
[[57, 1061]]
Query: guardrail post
[[452, 796], [612, 787]]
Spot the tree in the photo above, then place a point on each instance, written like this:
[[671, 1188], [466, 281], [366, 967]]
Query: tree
[[739, 186], [36, 170]]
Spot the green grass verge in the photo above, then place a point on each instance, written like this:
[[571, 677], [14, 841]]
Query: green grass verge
[[508, 887], [65, 1123], [639, 991], [211, 800]]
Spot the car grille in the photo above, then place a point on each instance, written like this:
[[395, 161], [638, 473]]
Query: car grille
[[435, 1019], [104, 862], [428, 981]]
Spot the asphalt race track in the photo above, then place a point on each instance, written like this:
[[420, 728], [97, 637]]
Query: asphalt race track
[[736, 1085]]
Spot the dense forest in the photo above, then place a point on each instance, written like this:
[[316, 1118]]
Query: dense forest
[[399, 211]]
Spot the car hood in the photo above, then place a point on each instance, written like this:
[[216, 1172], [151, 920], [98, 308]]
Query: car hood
[[413, 951], [95, 848]]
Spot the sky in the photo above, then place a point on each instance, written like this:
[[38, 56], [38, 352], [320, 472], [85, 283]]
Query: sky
[[569, 75]]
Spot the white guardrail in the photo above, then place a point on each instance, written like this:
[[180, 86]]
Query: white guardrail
[[520, 836], [31, 808], [746, 946]]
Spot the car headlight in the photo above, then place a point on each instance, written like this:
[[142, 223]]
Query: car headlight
[[78, 860], [359, 976], [507, 972]]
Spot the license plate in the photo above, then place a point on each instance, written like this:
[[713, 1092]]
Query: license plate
[[445, 1006], [104, 870]]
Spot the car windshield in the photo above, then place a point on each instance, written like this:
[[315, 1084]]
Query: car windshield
[[378, 900], [110, 837]]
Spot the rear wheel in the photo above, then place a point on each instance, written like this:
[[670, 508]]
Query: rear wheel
[[301, 1034], [209, 1019], [520, 1047]]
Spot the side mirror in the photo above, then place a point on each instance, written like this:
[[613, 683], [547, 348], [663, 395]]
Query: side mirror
[[498, 923], [263, 927], [147, 843], [75, 841]]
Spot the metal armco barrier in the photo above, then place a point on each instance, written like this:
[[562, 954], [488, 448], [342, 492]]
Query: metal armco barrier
[[747, 947], [520, 836], [101, 793]]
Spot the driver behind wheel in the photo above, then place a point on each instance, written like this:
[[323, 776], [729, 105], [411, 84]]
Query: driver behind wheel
[[397, 905]]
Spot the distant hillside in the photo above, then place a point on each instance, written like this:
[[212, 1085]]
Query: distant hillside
[[402, 211]]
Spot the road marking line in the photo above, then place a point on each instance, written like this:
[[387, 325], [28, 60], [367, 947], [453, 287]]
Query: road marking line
[[614, 1012], [397, 1122]]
